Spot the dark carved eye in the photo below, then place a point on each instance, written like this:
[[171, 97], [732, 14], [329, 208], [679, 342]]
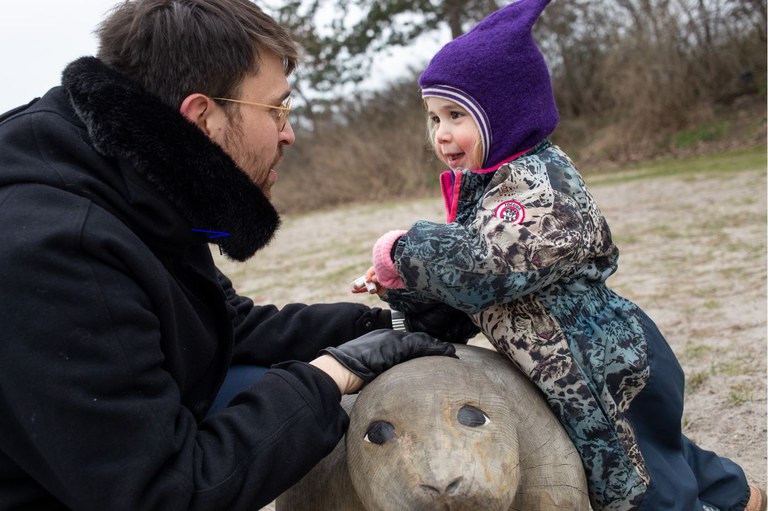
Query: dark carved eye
[[472, 417], [379, 432]]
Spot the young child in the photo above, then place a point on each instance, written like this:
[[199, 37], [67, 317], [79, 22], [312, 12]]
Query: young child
[[526, 252]]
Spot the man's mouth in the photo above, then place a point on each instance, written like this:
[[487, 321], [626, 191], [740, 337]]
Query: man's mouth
[[278, 158]]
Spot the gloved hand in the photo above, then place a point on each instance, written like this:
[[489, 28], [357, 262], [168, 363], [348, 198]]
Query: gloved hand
[[373, 353], [444, 322]]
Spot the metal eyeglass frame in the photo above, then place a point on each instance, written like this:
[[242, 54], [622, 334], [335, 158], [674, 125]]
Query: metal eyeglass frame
[[284, 109]]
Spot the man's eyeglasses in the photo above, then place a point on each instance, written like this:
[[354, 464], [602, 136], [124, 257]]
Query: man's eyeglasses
[[282, 110]]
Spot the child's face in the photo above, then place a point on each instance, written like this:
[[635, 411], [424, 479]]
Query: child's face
[[456, 137]]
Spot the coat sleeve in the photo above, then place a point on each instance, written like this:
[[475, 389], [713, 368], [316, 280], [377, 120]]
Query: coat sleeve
[[266, 335], [90, 411], [528, 232]]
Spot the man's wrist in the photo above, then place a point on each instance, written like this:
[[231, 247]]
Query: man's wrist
[[345, 379]]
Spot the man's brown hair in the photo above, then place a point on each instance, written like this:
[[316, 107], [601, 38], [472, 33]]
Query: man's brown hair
[[177, 47]]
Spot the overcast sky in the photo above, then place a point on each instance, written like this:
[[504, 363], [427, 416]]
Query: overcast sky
[[38, 38]]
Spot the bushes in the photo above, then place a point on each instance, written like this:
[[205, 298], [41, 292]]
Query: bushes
[[633, 79], [371, 149]]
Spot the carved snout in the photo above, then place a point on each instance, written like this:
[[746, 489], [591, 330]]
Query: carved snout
[[448, 489]]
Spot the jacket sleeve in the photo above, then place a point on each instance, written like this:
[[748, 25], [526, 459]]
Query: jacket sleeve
[[266, 335], [526, 234], [90, 411]]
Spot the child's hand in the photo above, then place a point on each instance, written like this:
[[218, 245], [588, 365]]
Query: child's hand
[[361, 285], [367, 283]]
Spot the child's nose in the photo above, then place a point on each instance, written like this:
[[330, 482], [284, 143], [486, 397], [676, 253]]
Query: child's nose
[[443, 134]]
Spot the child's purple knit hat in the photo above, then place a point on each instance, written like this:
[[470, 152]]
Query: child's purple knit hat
[[497, 73]]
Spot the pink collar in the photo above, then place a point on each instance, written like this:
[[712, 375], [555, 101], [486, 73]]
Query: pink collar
[[496, 167], [450, 184]]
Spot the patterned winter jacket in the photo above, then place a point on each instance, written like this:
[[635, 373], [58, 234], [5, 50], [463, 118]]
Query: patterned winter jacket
[[526, 252]]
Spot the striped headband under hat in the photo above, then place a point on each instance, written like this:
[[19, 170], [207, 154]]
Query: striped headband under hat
[[498, 74]]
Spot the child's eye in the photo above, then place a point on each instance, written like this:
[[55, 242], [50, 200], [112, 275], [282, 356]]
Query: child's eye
[[434, 119], [455, 114]]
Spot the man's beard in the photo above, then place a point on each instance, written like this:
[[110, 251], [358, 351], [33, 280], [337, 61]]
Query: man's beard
[[249, 162]]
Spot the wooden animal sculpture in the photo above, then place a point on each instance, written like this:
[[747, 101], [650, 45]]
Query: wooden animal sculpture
[[445, 434]]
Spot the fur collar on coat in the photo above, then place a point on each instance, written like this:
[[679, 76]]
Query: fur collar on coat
[[196, 176]]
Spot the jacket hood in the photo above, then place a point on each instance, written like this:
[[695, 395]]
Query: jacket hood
[[177, 160]]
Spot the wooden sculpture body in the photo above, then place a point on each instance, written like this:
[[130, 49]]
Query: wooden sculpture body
[[438, 433]]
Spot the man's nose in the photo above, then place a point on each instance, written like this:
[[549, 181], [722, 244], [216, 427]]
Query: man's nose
[[287, 136]]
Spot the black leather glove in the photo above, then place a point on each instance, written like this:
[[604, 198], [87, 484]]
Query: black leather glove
[[444, 322], [373, 353]]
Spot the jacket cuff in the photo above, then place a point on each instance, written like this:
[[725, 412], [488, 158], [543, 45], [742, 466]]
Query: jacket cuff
[[386, 272]]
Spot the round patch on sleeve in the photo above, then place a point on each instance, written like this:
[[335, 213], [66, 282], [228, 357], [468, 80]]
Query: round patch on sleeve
[[511, 211]]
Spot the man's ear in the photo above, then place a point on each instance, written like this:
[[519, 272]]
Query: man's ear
[[199, 109]]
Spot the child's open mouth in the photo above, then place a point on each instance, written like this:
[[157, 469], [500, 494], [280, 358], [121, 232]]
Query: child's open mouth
[[453, 160]]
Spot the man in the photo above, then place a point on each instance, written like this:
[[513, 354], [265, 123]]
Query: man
[[118, 330]]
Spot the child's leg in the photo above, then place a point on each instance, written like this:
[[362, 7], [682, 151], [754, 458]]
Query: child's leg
[[717, 477], [683, 476]]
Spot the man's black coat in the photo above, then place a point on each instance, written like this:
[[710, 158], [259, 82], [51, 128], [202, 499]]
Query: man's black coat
[[117, 328]]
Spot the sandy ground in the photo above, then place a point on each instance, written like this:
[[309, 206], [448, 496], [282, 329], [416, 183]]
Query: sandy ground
[[693, 255]]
